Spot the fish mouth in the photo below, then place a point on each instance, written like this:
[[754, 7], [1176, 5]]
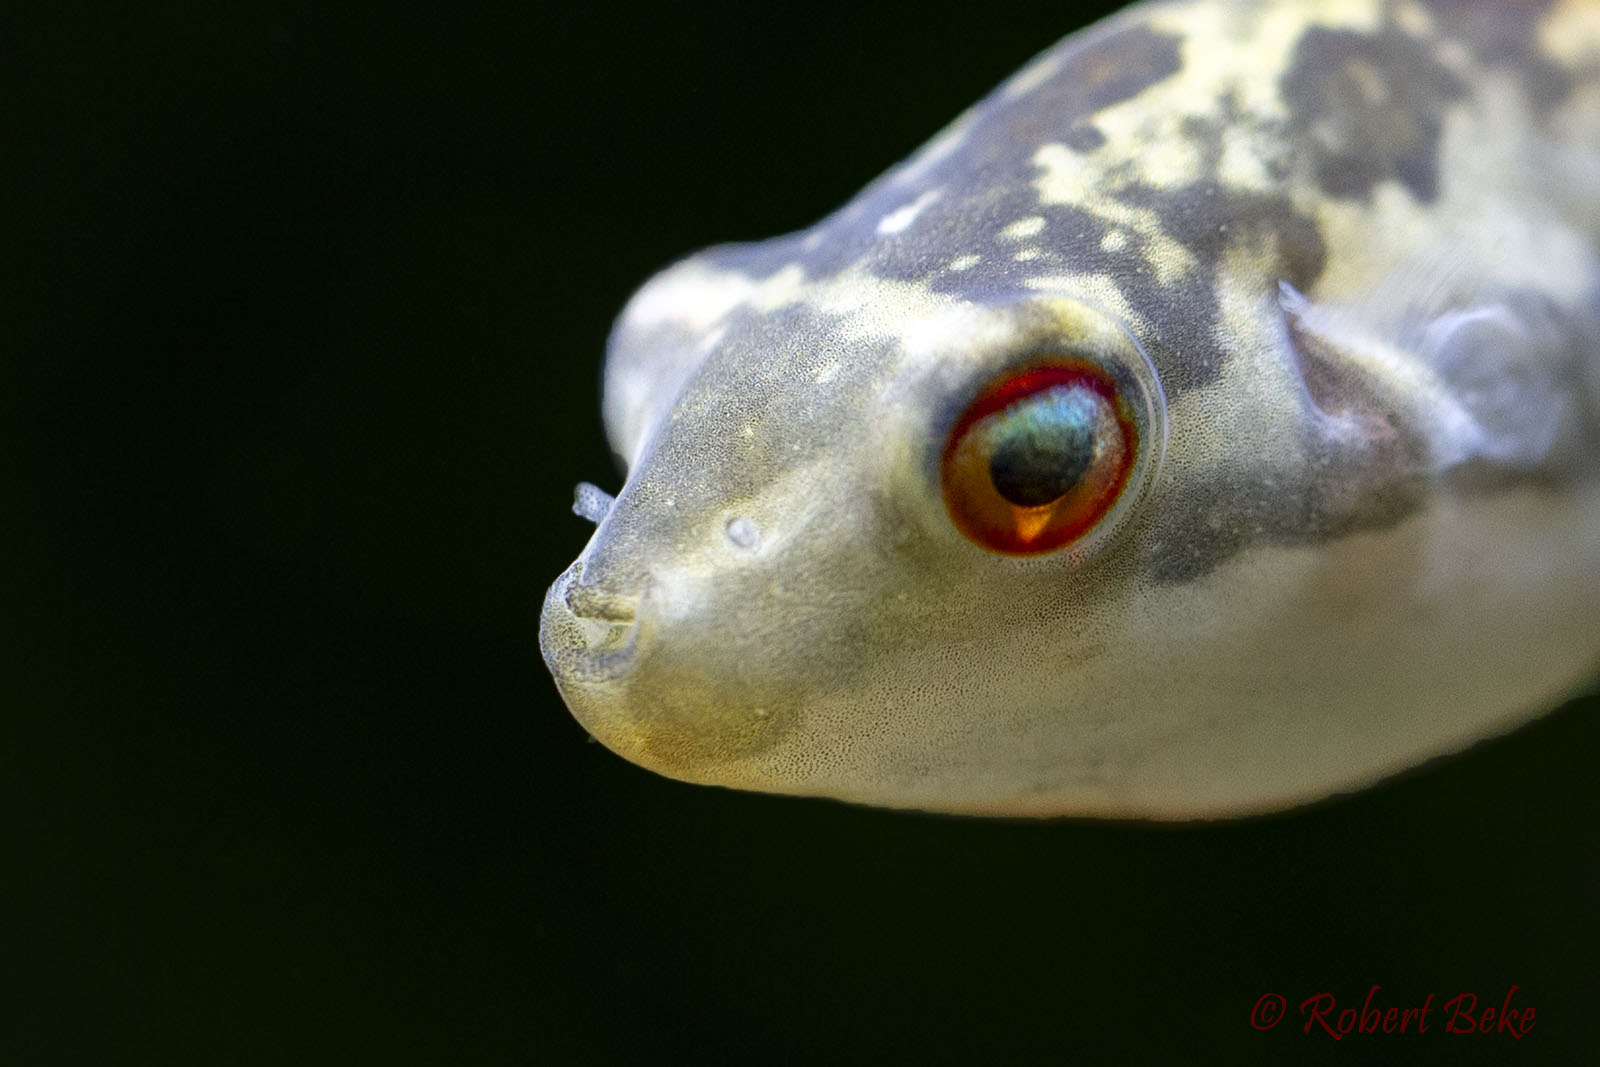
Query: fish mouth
[[587, 634], [630, 681], [592, 602]]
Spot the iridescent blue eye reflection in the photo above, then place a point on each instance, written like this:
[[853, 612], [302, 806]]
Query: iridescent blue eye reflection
[[1043, 444]]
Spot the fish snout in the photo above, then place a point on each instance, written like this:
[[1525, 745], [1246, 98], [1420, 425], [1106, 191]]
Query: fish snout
[[588, 632], [649, 683]]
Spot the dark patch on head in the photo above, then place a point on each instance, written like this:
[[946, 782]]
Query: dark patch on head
[[1083, 137], [1110, 67], [1107, 70], [1504, 33], [1368, 108], [1224, 518], [1206, 217]]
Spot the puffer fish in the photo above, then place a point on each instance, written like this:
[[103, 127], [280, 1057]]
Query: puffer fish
[[1205, 423]]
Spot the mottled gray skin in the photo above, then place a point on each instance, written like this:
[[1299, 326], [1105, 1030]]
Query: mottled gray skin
[[1343, 258]]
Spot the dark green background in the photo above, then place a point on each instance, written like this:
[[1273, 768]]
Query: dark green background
[[301, 328]]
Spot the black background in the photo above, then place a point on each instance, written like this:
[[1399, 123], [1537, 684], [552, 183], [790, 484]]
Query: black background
[[303, 312]]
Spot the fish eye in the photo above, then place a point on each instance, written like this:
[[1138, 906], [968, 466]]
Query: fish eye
[[1040, 457]]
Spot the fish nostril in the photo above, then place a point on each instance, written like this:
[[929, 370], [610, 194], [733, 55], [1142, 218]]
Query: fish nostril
[[589, 602]]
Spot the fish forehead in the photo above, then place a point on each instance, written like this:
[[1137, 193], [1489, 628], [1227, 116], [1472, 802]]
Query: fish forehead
[[1129, 162]]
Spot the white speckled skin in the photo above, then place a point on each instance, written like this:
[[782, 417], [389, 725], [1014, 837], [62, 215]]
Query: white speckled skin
[[1344, 258]]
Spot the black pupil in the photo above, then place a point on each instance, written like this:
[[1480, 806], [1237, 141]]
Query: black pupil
[[1037, 460]]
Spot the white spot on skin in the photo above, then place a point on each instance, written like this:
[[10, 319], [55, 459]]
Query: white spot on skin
[[742, 533], [1571, 34], [826, 373], [1412, 18], [965, 262], [938, 330], [1169, 162], [1454, 54], [1024, 228], [711, 340], [1368, 80], [1065, 179], [898, 219], [1114, 241], [693, 296], [1246, 152], [1026, 254]]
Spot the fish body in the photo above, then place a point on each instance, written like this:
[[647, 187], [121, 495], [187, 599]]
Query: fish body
[[1206, 422]]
